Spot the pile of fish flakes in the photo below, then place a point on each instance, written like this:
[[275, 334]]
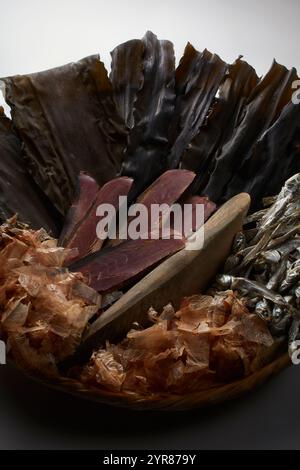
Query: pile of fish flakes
[[43, 307], [209, 340]]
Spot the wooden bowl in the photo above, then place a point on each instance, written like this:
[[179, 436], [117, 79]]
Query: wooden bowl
[[185, 273], [171, 402]]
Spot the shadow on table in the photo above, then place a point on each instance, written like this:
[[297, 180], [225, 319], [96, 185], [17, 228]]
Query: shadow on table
[[88, 422]]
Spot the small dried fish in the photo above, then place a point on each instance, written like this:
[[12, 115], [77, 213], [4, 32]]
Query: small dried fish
[[263, 310], [264, 265], [239, 242]]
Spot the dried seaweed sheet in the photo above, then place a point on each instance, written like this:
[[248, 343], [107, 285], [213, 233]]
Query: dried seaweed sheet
[[262, 109], [69, 122], [222, 121], [114, 267], [145, 158], [18, 192], [198, 78]]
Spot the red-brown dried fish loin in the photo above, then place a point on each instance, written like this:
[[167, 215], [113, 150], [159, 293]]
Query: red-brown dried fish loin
[[167, 189], [209, 209], [85, 238], [112, 268], [87, 190]]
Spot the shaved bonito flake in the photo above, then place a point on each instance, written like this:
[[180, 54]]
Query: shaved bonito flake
[[44, 308], [208, 341]]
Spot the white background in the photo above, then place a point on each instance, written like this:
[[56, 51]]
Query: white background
[[39, 34]]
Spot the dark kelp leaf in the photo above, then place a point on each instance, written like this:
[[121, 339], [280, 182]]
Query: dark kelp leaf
[[86, 193], [145, 157], [127, 76], [85, 238], [18, 192], [260, 112], [274, 158], [115, 267], [69, 122], [221, 122], [198, 78]]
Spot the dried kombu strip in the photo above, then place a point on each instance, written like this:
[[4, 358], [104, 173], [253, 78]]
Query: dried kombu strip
[[127, 76], [145, 158], [85, 238], [69, 122], [260, 112], [198, 78], [115, 267], [274, 158], [221, 122], [18, 192]]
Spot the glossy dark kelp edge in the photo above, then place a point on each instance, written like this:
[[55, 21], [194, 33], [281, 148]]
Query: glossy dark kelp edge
[[222, 121], [198, 78], [127, 77], [153, 106], [260, 111]]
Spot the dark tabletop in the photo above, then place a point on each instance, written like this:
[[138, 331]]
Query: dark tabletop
[[34, 417]]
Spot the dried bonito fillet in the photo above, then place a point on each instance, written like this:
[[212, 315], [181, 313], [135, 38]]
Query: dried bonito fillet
[[116, 267], [43, 307], [209, 341], [81, 222]]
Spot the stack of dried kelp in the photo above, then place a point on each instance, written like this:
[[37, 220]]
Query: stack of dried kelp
[[265, 264], [234, 130]]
